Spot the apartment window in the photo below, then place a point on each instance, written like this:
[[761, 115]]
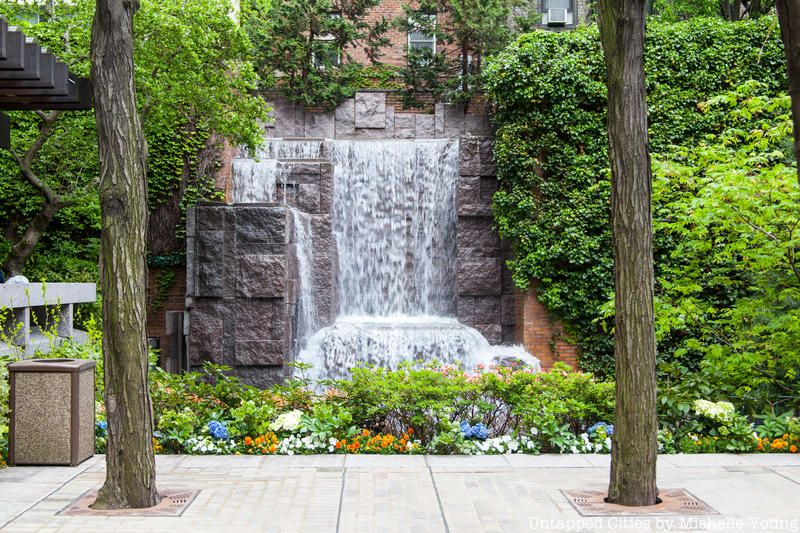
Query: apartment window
[[558, 13], [418, 39], [326, 51]]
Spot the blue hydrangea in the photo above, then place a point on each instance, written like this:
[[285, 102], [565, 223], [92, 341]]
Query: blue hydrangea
[[478, 431], [102, 424], [609, 428], [218, 430]]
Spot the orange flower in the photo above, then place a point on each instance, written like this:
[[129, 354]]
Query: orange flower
[[760, 446], [365, 433], [259, 440], [338, 444], [248, 441], [273, 448], [793, 448], [410, 431]]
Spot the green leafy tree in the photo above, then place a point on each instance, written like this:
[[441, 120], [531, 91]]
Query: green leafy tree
[[674, 10], [465, 32], [193, 78], [304, 48], [730, 287]]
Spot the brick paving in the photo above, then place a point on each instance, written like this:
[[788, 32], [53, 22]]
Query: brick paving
[[336, 493]]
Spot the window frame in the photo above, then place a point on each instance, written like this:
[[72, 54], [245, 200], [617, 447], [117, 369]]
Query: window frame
[[432, 37]]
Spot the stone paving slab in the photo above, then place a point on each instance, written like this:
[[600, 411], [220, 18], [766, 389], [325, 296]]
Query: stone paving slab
[[449, 494]]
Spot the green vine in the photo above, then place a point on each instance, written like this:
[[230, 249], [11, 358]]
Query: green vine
[[552, 156], [164, 281]]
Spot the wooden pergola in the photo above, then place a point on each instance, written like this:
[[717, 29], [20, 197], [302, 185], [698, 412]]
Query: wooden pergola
[[31, 78]]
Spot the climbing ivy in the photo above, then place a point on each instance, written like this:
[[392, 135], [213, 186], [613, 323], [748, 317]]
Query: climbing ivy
[[551, 151]]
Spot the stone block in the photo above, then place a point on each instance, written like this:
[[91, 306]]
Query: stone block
[[308, 199], [326, 189], [390, 118], [405, 125], [261, 225], [477, 238], [453, 121], [319, 125], [492, 332], [206, 331], [439, 121], [261, 319], [370, 110], [468, 190], [487, 310], [477, 125], [345, 119], [510, 335], [479, 277], [465, 310], [469, 157], [489, 186], [367, 133], [289, 118], [303, 172], [507, 310], [425, 128], [261, 276], [487, 151], [260, 353], [211, 218]]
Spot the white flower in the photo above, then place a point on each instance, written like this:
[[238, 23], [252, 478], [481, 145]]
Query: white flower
[[287, 421]]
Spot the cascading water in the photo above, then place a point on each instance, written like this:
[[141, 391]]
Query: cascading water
[[394, 222], [307, 320], [256, 178]]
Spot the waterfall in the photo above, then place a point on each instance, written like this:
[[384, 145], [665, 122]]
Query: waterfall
[[307, 323], [256, 177], [394, 223]]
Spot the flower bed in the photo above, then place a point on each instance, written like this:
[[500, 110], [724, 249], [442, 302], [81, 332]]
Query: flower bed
[[439, 410]]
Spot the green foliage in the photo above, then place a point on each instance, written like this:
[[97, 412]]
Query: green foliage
[[729, 288], [304, 48], [676, 10], [552, 155], [193, 77]]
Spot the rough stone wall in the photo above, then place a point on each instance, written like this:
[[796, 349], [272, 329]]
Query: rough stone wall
[[239, 296]]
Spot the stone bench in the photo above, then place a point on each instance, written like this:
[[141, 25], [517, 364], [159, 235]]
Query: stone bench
[[35, 314]]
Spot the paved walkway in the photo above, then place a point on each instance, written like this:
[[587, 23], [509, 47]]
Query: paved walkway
[[336, 493]]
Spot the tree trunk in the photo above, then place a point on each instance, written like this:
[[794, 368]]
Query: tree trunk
[[24, 245], [130, 463], [635, 445], [789, 18], [22, 249]]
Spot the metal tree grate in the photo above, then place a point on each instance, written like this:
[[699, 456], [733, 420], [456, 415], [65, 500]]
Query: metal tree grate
[[673, 502], [173, 503]]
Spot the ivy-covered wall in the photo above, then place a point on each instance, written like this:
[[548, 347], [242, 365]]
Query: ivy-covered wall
[[551, 151]]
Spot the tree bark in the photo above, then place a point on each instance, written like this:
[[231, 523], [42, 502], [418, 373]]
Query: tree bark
[[789, 19], [634, 443], [130, 463], [24, 245]]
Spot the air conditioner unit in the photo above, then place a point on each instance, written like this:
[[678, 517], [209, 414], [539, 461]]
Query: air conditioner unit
[[557, 16]]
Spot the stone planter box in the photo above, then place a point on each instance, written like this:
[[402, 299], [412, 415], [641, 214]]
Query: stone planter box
[[52, 412]]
